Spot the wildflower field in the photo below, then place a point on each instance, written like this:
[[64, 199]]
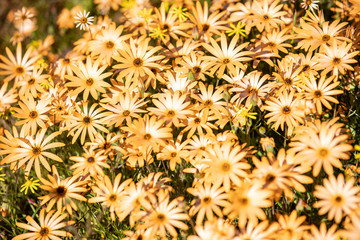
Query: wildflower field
[[197, 120]]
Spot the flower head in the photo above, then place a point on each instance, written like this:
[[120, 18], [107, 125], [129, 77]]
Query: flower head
[[83, 20], [30, 184]]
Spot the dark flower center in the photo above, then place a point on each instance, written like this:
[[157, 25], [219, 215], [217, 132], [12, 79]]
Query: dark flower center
[[271, 44], [89, 81], [44, 231], [338, 199], [113, 197], [206, 199], [83, 20], [31, 81], [126, 113], [171, 113], [286, 110], [36, 150], [110, 44], [325, 38], [19, 70], [33, 114], [266, 17], [61, 191], [66, 60], [269, 178], [173, 154], [147, 136], [208, 103], [205, 27], [90, 159], [197, 120], [243, 200], [288, 81], [336, 60], [166, 27], [226, 61], [137, 62], [196, 69], [161, 217], [86, 120], [106, 145], [318, 93]]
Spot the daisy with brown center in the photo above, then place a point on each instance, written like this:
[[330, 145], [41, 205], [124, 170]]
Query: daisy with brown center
[[209, 200], [246, 203], [32, 150], [62, 192], [137, 157], [284, 109], [63, 65], [148, 132], [177, 82], [136, 60], [172, 107], [32, 84], [196, 65], [108, 144], [89, 79], [47, 229], [337, 197], [126, 109], [207, 25], [197, 146], [226, 165], [85, 122], [320, 93], [322, 147], [32, 113], [164, 216], [109, 194], [23, 15], [336, 58], [90, 163], [287, 75], [210, 102], [267, 15], [251, 87], [174, 152], [271, 176], [314, 36], [168, 22], [83, 20], [107, 43], [197, 122], [227, 57], [275, 41], [17, 67]]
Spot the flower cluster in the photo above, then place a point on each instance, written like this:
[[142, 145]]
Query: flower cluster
[[200, 120]]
